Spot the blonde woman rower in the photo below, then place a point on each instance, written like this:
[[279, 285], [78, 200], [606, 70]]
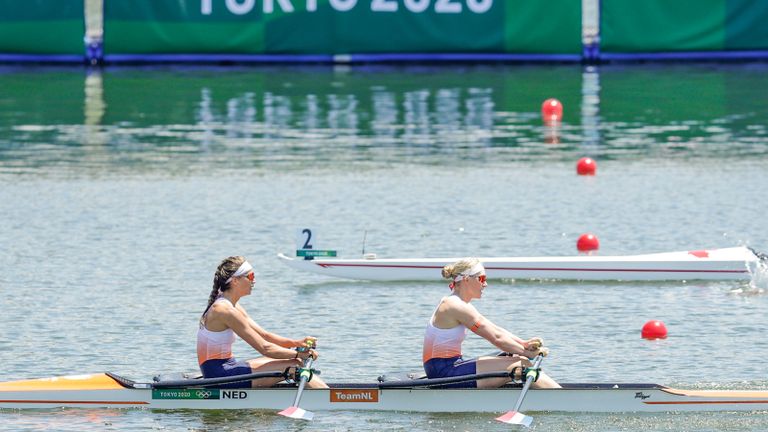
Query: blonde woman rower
[[448, 326], [225, 317]]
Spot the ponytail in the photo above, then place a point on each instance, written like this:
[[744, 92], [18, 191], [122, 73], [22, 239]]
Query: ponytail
[[224, 271]]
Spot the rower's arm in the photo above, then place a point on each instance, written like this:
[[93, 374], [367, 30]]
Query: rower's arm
[[241, 325], [515, 337], [267, 335], [499, 337], [485, 328]]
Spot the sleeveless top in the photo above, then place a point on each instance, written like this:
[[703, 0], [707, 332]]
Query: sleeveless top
[[442, 343], [214, 345]]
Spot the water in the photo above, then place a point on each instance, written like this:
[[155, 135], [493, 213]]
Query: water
[[121, 191]]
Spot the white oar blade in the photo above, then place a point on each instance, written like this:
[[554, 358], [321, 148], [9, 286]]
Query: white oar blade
[[514, 417], [297, 413]]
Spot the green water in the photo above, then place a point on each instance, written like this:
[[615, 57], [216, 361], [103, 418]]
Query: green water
[[162, 119]]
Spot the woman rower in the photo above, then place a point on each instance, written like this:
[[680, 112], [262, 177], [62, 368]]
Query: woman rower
[[224, 318], [448, 326]]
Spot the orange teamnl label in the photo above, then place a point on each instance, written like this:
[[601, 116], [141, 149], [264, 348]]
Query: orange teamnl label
[[355, 395]]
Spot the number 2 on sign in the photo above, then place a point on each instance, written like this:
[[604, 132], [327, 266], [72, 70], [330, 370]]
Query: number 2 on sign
[[305, 238]]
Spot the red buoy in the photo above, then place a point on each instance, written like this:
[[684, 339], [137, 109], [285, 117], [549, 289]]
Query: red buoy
[[552, 110], [654, 330], [587, 242], [586, 166]]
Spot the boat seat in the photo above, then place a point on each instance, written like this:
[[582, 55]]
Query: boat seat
[[176, 376]]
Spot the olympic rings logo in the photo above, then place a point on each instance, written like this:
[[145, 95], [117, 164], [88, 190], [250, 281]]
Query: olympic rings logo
[[203, 394]]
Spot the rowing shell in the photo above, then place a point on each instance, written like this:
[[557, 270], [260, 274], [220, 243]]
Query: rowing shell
[[712, 264], [109, 390]]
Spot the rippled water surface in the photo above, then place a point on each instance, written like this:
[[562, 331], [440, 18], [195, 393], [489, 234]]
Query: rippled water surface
[[121, 190]]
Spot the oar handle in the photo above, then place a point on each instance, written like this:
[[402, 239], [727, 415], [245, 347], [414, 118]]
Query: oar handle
[[304, 348], [537, 360], [307, 347]]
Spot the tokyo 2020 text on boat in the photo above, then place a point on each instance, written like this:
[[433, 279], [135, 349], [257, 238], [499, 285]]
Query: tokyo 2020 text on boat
[[734, 263]]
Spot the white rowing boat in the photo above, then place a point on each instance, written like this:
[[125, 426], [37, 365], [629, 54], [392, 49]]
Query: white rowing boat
[[734, 263], [109, 390]]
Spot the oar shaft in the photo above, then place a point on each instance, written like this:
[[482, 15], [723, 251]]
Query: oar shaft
[[528, 382], [515, 416], [303, 378], [294, 411]]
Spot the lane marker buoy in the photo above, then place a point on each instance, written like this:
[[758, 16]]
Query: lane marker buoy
[[587, 242], [654, 329], [586, 166], [552, 110]]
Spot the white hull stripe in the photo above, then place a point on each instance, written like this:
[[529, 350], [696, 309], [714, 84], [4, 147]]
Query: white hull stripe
[[580, 269]]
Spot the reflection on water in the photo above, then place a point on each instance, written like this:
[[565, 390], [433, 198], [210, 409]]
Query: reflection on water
[[182, 119], [94, 98]]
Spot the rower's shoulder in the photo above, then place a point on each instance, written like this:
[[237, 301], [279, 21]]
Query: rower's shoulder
[[452, 302], [222, 307], [456, 306], [227, 308]]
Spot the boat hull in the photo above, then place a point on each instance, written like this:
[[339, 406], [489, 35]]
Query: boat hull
[[714, 264], [572, 398]]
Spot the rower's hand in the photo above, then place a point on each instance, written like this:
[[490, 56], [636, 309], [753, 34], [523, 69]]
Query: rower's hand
[[306, 353], [308, 342], [532, 353], [533, 344]]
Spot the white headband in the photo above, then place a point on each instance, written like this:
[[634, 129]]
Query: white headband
[[477, 268], [244, 269]]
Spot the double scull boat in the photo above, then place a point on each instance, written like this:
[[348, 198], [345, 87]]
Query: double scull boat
[[736, 263], [110, 390]]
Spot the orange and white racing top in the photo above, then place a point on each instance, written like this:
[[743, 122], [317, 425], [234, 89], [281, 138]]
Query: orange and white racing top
[[443, 343], [214, 345]]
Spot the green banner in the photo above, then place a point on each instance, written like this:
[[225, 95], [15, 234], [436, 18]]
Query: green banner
[[746, 25], [683, 25], [341, 26], [42, 26]]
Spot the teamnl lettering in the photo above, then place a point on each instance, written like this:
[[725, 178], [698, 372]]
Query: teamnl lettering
[[242, 7], [365, 396]]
